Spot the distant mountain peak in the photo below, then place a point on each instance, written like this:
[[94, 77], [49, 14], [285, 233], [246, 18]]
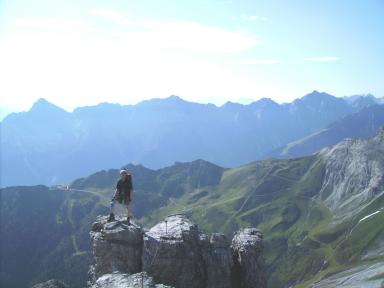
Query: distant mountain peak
[[316, 97], [175, 97], [265, 102], [42, 102], [317, 94], [43, 105], [230, 104]]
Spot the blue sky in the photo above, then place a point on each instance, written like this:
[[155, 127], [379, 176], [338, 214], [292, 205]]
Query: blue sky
[[76, 53]]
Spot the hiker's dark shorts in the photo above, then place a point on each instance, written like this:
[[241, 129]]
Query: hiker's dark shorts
[[123, 198]]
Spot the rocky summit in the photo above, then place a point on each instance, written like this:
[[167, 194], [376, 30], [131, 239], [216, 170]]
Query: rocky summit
[[175, 253]]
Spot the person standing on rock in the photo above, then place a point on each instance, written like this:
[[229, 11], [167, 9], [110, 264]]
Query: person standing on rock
[[123, 195]]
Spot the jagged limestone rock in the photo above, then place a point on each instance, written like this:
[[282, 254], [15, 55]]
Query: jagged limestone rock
[[174, 252], [117, 246], [247, 248], [53, 283]]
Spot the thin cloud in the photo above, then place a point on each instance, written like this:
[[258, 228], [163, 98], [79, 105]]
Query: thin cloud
[[185, 35], [322, 59], [53, 24], [253, 18]]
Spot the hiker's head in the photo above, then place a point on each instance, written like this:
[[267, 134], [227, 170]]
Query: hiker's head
[[123, 173]]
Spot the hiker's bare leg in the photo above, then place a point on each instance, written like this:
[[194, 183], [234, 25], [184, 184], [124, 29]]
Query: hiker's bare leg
[[129, 210]]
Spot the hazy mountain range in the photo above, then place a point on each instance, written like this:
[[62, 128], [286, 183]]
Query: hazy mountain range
[[363, 124], [320, 214], [50, 145]]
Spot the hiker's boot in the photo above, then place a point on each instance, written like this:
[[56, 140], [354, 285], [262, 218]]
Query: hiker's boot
[[129, 220], [111, 217]]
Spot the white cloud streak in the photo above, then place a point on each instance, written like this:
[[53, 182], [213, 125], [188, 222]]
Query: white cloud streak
[[322, 59]]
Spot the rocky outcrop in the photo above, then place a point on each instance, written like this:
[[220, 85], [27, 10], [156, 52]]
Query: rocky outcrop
[[53, 283], [174, 252], [117, 246], [247, 248]]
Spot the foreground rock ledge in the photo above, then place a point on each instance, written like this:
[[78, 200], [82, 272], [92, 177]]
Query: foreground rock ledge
[[121, 280], [174, 252], [53, 283]]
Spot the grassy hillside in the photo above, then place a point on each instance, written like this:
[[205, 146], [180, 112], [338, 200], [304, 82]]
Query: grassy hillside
[[284, 198], [280, 197]]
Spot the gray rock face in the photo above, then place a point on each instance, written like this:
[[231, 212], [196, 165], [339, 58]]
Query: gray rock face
[[174, 252], [53, 283], [247, 247], [353, 175], [116, 247], [218, 261]]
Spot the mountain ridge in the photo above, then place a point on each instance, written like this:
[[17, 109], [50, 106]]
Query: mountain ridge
[[56, 148], [44, 103]]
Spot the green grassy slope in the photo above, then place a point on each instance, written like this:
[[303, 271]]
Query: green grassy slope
[[301, 243]]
